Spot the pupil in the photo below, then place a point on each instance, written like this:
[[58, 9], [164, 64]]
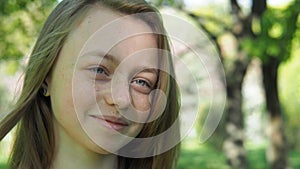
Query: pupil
[[141, 82]]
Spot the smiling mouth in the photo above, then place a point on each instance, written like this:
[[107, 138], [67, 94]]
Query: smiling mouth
[[111, 122]]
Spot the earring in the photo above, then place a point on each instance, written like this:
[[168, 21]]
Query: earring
[[45, 91]]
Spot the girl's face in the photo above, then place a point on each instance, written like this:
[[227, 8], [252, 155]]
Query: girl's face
[[101, 83]]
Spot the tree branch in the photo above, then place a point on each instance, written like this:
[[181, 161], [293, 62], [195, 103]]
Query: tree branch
[[236, 9], [209, 33]]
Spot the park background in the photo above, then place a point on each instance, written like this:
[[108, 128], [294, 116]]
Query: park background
[[257, 42]]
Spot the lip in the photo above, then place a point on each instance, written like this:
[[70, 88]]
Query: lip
[[112, 122]]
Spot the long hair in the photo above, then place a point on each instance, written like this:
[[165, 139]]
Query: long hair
[[34, 144]]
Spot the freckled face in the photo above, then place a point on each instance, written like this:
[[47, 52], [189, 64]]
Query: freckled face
[[103, 75]]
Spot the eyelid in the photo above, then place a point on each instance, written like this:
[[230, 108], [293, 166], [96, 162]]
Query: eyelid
[[106, 71], [148, 83], [147, 76], [103, 76], [140, 88]]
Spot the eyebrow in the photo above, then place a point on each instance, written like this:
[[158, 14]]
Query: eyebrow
[[102, 55], [150, 70], [110, 58]]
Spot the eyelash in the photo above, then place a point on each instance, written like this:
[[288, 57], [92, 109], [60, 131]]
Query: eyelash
[[145, 83], [95, 69], [144, 88]]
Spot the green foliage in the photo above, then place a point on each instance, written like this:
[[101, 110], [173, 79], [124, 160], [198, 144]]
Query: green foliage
[[196, 156], [216, 139], [3, 154], [160, 3], [274, 33], [289, 85], [202, 157], [2, 166], [20, 22], [294, 159], [11, 67]]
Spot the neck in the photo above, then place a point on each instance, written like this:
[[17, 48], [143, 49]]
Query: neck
[[70, 155]]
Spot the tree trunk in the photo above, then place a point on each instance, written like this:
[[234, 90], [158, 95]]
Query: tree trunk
[[277, 150], [234, 121]]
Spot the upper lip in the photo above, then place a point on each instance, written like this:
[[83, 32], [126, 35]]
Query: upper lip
[[113, 119]]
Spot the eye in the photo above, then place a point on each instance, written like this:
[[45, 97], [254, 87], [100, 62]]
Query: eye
[[141, 85], [100, 73], [98, 70]]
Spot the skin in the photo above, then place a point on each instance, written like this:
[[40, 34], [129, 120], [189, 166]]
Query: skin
[[91, 82]]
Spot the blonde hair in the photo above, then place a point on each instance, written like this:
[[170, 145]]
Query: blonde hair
[[34, 144]]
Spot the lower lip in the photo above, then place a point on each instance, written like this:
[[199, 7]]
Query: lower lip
[[110, 125]]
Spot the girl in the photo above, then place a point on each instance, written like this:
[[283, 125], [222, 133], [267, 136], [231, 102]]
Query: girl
[[89, 92]]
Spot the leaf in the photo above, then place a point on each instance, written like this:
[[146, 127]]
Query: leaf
[[11, 67]]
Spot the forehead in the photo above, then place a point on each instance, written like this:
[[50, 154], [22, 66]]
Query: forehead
[[104, 21], [103, 28]]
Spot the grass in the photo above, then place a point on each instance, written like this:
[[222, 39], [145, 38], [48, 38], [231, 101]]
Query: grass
[[257, 158], [195, 156], [294, 159], [2, 161], [2, 166]]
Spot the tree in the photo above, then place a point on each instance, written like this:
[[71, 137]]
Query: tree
[[235, 66], [20, 21], [242, 28], [238, 27], [273, 44]]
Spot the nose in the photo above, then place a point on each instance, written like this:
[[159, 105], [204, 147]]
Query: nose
[[118, 95]]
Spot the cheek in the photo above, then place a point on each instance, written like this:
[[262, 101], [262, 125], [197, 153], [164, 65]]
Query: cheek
[[61, 95], [84, 94], [140, 101]]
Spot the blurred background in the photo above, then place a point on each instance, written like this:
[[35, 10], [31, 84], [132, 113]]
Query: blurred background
[[257, 42]]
